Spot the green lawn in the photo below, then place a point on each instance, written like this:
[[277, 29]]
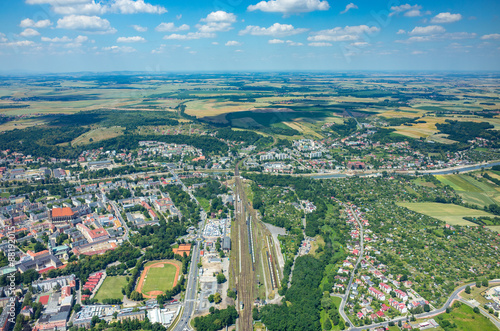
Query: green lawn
[[472, 190], [159, 279], [449, 213], [467, 320], [204, 203], [111, 288]]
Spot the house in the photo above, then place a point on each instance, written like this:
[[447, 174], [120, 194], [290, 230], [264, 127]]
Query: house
[[386, 288], [59, 215], [376, 293], [401, 295]]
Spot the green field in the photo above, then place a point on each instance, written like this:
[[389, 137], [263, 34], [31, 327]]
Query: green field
[[449, 213], [111, 288], [472, 190], [466, 320], [159, 279]]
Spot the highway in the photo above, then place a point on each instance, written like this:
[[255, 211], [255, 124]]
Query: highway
[[361, 252]]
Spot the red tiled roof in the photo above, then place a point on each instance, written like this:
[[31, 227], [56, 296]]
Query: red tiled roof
[[62, 212]]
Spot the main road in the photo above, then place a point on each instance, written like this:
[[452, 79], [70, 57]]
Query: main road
[[192, 281]]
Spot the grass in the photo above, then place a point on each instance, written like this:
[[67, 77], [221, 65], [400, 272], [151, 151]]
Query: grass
[[159, 279], [471, 189], [466, 320], [97, 135], [111, 288], [204, 203], [449, 213]]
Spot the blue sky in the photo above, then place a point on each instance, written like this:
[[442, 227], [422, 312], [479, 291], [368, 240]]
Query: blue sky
[[220, 35]]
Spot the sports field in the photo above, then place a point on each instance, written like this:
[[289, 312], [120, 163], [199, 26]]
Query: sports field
[[449, 213], [157, 277], [111, 288]]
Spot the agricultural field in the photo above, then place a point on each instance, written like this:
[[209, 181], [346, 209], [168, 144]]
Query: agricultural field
[[111, 288], [449, 213], [472, 189], [98, 135]]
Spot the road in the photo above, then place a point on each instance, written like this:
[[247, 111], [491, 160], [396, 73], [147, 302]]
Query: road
[[454, 296], [190, 301], [361, 252], [124, 223]]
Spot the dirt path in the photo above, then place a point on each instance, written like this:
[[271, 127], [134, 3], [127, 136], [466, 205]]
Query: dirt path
[[154, 294]]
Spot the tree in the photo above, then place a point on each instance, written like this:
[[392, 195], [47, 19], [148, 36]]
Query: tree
[[231, 294], [217, 298], [485, 283], [327, 325], [478, 284], [221, 278], [255, 314], [467, 289], [342, 325], [427, 308], [476, 310]]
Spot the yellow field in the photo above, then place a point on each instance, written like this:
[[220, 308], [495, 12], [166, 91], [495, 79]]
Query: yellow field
[[204, 108], [303, 128], [20, 124], [98, 135]]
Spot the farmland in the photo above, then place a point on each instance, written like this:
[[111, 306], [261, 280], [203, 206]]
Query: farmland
[[449, 213], [472, 189]]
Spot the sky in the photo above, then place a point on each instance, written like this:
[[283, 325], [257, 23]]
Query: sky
[[252, 35]]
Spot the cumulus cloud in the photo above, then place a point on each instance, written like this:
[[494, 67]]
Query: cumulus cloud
[[220, 16], [93, 24], [320, 44], [233, 43], [427, 30], [91, 7], [66, 41], [275, 30], [119, 49], [446, 18], [135, 39], [29, 23], [218, 21], [29, 32], [170, 27], [439, 37], [348, 7], [63, 39], [134, 7], [2, 38], [190, 36], [287, 7], [276, 41], [139, 28], [401, 31], [348, 33], [408, 10], [491, 36], [293, 43], [19, 43]]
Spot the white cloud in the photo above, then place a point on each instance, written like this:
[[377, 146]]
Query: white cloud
[[233, 43], [293, 43], [446, 18], [178, 17], [139, 28], [427, 30], [29, 23], [91, 7], [63, 39], [170, 27], [20, 43], [491, 36], [276, 41], [349, 6], [215, 43], [348, 33], [29, 32], [439, 37], [408, 10], [275, 30], [93, 24], [288, 7], [190, 36], [417, 52], [220, 16], [319, 44], [401, 31], [2, 38], [134, 7], [217, 21], [360, 44], [119, 49], [135, 39]]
